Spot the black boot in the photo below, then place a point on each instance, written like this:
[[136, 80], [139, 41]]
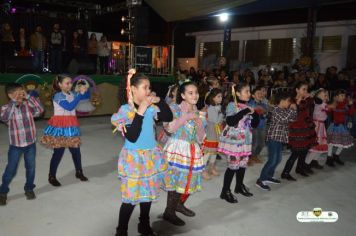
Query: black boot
[[121, 232], [3, 199], [308, 169], [144, 228], [169, 214], [243, 190], [79, 175], [228, 196], [240, 187], [185, 211], [330, 161], [338, 160], [53, 180], [316, 165], [288, 177], [302, 173]]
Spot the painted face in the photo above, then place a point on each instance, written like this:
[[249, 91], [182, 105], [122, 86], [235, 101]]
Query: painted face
[[244, 94], [218, 99], [142, 90], [191, 94], [66, 84], [302, 91], [258, 95]]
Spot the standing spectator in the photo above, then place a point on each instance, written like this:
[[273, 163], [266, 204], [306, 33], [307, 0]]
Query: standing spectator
[[21, 44], [331, 78], [320, 82], [56, 49], [38, 46], [7, 45], [75, 47], [103, 53], [93, 50]]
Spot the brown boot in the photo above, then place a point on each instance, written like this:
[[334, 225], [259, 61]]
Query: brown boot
[[212, 170], [206, 175], [257, 160], [184, 210], [169, 214]]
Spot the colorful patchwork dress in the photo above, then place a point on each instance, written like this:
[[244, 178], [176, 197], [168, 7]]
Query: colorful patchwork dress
[[183, 152], [63, 127], [338, 134], [236, 141], [141, 166]]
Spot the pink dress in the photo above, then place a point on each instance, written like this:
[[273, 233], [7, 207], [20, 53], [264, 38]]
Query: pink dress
[[319, 117]]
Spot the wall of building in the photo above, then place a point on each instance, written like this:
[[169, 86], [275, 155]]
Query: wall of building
[[325, 58]]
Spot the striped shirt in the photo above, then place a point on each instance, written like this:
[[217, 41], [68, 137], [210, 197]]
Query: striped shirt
[[19, 118]]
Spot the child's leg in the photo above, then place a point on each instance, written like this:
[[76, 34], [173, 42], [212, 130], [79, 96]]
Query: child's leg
[[126, 210], [272, 152], [260, 141], [290, 162], [254, 142], [30, 165], [301, 166], [278, 149], [56, 159], [14, 155], [338, 151], [240, 187], [330, 150], [77, 158], [206, 158], [228, 176]]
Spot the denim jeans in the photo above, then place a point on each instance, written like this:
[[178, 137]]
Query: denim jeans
[[258, 141], [38, 60], [14, 156], [274, 158]]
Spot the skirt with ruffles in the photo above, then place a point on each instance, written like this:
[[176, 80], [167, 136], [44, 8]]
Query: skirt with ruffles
[[143, 173], [322, 146], [62, 131], [339, 136], [185, 166]]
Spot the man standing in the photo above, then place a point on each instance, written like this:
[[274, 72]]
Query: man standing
[[56, 45]]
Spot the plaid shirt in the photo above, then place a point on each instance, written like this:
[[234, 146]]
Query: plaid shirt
[[278, 124], [19, 118]]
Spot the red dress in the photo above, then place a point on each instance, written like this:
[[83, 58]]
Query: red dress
[[302, 135]]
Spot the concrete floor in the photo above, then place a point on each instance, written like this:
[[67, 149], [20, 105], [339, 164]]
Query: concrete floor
[[91, 209]]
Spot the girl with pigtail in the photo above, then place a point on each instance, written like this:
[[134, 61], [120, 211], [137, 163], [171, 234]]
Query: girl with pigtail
[[141, 166], [236, 140]]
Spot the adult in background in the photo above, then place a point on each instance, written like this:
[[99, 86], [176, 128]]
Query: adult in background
[[93, 50], [7, 45], [38, 46], [103, 53], [56, 44]]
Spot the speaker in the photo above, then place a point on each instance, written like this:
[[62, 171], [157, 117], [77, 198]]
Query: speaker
[[81, 66], [141, 25]]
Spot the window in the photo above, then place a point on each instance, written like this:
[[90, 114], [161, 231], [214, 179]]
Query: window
[[209, 52], [316, 44], [267, 51], [331, 43]]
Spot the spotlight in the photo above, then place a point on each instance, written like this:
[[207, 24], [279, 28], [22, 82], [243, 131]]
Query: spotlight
[[223, 17]]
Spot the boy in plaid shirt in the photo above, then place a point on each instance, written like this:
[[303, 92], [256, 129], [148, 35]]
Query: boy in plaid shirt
[[18, 114], [277, 135]]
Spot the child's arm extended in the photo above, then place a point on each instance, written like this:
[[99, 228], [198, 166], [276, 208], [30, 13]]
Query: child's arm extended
[[69, 106], [7, 111], [234, 119], [165, 113], [35, 106]]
